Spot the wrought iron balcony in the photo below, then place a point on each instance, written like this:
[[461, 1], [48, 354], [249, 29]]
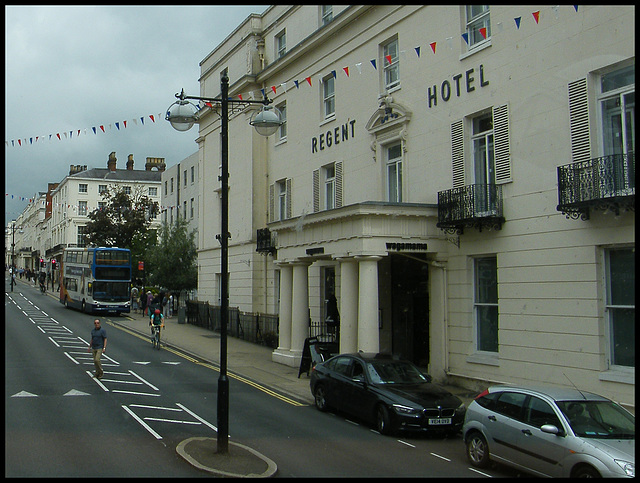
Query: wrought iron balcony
[[473, 206], [606, 183]]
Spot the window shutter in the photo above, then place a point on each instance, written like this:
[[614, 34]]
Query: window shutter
[[316, 190], [502, 151], [272, 206], [288, 188], [579, 121], [457, 153], [338, 167]]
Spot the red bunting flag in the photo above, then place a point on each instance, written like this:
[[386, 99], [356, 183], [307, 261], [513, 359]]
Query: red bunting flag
[[152, 119], [102, 127], [19, 142], [308, 79], [125, 124], [388, 57], [58, 134], [483, 32], [273, 88], [536, 16], [240, 96], [346, 70], [433, 47], [208, 104]]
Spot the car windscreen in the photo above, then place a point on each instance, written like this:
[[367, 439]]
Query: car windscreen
[[394, 372], [599, 419]]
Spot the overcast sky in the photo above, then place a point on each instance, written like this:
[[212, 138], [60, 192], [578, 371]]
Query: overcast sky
[[70, 68]]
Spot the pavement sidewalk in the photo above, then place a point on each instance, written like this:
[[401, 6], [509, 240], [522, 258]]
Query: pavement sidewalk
[[246, 359]]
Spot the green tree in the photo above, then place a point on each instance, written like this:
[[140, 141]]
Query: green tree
[[124, 220], [173, 260]]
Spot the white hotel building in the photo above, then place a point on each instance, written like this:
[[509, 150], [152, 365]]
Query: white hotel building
[[469, 200]]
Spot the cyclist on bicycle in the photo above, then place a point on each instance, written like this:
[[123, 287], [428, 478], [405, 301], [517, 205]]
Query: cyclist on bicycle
[[41, 278], [156, 320]]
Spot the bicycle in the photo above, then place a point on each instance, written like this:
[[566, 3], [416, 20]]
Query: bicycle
[[155, 339]]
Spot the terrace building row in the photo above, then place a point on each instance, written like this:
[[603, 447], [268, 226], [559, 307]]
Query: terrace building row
[[460, 178]]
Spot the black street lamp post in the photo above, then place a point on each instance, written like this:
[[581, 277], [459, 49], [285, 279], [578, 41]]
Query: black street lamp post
[[182, 116]]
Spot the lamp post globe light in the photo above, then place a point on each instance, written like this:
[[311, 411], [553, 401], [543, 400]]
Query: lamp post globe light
[[183, 115]]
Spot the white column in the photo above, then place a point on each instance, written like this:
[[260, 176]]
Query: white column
[[286, 286], [368, 331], [348, 305], [300, 308], [283, 354]]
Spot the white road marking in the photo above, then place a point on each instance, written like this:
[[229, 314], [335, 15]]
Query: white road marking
[[144, 425]]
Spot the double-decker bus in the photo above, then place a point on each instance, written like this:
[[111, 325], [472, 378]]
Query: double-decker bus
[[96, 279]]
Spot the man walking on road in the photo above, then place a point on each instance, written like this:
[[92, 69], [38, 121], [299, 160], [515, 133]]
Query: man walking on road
[[98, 345]]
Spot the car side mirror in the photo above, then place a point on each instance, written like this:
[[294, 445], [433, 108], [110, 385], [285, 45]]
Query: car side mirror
[[359, 378], [551, 429]]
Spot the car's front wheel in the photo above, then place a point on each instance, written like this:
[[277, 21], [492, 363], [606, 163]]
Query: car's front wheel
[[320, 397], [477, 450], [383, 421]]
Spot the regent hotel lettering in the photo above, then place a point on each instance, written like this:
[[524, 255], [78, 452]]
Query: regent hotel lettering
[[333, 137], [467, 80]]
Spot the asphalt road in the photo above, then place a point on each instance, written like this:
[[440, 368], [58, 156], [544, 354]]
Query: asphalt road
[[59, 421]]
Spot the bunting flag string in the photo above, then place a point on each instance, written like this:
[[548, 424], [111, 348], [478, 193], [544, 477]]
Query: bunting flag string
[[537, 15], [76, 133]]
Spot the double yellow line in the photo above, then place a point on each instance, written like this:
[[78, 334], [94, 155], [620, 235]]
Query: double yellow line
[[264, 389]]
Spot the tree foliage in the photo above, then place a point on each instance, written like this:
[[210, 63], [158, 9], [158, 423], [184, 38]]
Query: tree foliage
[[124, 220], [172, 262]]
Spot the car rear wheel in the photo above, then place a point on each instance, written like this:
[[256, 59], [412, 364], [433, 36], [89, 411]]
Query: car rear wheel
[[477, 450], [320, 397], [383, 422]]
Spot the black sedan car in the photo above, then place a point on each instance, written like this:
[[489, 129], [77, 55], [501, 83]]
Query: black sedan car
[[390, 392]]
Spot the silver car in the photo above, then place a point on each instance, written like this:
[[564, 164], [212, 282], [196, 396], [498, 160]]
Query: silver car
[[550, 431]]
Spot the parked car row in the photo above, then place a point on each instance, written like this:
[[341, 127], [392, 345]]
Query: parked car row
[[545, 431]]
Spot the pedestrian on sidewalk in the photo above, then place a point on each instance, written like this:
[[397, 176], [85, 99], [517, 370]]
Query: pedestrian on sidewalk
[[98, 345], [134, 299]]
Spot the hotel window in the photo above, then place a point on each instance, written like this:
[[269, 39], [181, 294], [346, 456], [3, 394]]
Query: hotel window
[[191, 208], [102, 205], [184, 209], [185, 178], [483, 162], [486, 304], [82, 188], [172, 185], [394, 173], [127, 190], [280, 200], [153, 191], [617, 104], [282, 131], [327, 187], [165, 188], [82, 207], [391, 63], [329, 96], [326, 13], [478, 23], [193, 174], [281, 44], [102, 188], [620, 309]]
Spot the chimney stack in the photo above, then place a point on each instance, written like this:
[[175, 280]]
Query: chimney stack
[[76, 169], [130, 163], [111, 163], [155, 163]]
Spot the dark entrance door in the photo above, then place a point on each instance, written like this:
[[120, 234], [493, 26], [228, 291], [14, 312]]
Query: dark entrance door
[[410, 307]]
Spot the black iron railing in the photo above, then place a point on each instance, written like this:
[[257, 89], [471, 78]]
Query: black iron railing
[[476, 206], [605, 183]]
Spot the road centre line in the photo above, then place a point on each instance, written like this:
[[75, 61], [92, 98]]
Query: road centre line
[[172, 421], [480, 472], [143, 380], [67, 354], [441, 457], [97, 381], [144, 425], [404, 442], [135, 393], [198, 417], [144, 406]]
